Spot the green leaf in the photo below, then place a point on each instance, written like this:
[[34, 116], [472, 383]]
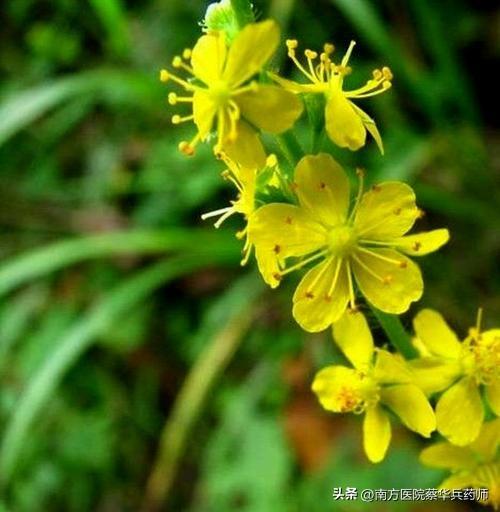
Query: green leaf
[[78, 338], [36, 263]]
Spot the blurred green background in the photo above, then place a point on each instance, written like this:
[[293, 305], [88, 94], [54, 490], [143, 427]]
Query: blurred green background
[[114, 295]]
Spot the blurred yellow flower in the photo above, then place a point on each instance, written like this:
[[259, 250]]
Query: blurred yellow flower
[[346, 124], [245, 181], [474, 466], [222, 95], [460, 370], [379, 381], [365, 245]]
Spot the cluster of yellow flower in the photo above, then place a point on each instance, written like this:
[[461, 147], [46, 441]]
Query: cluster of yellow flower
[[350, 246]]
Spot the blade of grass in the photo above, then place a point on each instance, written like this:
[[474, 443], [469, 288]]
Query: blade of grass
[[112, 17], [233, 312], [36, 263], [111, 86], [79, 337]]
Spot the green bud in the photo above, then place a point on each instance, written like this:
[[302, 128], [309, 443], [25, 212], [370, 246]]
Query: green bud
[[221, 16]]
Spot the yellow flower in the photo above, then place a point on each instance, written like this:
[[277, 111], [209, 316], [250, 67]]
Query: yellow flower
[[245, 181], [379, 380], [346, 124], [222, 95], [474, 466], [460, 370], [365, 245]]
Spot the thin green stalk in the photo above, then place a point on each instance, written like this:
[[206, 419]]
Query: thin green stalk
[[79, 337], [243, 12], [392, 326], [290, 147], [193, 394]]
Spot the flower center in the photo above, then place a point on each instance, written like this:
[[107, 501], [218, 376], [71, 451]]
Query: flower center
[[355, 392], [342, 240], [482, 356], [219, 92]]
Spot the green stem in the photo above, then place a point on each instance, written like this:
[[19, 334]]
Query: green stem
[[243, 12], [396, 333], [188, 406], [290, 147]]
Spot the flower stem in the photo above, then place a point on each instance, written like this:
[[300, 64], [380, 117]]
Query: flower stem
[[392, 326], [243, 12], [290, 147]]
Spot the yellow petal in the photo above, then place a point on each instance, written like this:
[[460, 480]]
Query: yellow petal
[[247, 149], [204, 110], [446, 455], [411, 405], [370, 125], [422, 243], [488, 441], [376, 433], [343, 124], [208, 57], [459, 413], [286, 229], [353, 336], [292, 86], [433, 375], [493, 396], [322, 187], [316, 302], [388, 286], [436, 335], [461, 480], [391, 369], [267, 263], [332, 384], [386, 211], [250, 50], [270, 108]]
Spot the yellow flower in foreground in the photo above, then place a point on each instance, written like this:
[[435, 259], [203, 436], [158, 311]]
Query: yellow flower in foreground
[[379, 380], [474, 466], [222, 95], [365, 245], [245, 181], [460, 370], [346, 124]]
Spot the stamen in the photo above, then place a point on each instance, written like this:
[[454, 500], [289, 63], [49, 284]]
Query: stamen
[[384, 280], [173, 99], [178, 63], [186, 53], [177, 119], [347, 55], [399, 263], [188, 147], [165, 76], [292, 45], [320, 274], [352, 300], [328, 48], [302, 263], [223, 212], [335, 279], [361, 177]]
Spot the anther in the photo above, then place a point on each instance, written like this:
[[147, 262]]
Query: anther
[[387, 73], [292, 44], [172, 98], [328, 48], [177, 61], [310, 54], [186, 148], [164, 76], [186, 53], [377, 74], [176, 119], [421, 213], [360, 173]]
